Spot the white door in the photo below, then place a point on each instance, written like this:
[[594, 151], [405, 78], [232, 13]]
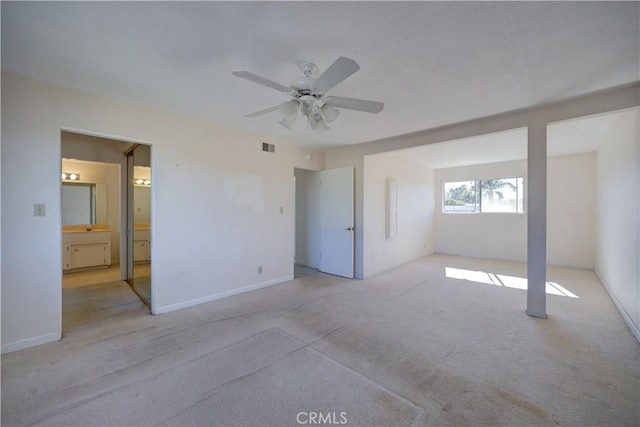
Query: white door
[[337, 221]]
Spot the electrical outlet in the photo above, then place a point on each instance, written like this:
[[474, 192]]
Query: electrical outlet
[[260, 270], [281, 210], [39, 209]]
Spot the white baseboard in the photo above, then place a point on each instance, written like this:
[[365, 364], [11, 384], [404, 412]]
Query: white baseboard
[[393, 267], [31, 342], [634, 329], [220, 295]]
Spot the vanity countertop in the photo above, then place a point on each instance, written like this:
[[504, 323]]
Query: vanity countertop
[[83, 229]]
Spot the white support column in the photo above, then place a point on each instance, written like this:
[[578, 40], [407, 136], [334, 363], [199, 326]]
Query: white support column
[[537, 220]]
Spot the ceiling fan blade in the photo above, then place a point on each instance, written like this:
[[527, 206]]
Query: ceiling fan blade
[[261, 80], [263, 111], [338, 71], [356, 104]]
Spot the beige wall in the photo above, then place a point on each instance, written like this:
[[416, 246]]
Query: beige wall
[[415, 209], [618, 217], [208, 238]]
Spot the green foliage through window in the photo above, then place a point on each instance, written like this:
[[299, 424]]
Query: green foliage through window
[[485, 195]]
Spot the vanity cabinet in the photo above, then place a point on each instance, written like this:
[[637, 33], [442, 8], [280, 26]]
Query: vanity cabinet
[[84, 249], [141, 245]]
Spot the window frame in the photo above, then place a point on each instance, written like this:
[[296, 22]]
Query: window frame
[[478, 182]]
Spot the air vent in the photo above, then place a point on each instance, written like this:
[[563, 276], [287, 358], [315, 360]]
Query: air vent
[[269, 148]]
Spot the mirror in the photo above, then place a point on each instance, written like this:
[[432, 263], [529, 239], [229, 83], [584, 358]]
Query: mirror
[[84, 203], [141, 202], [139, 218], [141, 190]]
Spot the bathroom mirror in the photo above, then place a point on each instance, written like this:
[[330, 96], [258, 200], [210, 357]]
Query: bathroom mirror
[[84, 203]]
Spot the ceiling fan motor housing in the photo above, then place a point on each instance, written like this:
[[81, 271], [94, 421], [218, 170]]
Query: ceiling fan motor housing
[[303, 87]]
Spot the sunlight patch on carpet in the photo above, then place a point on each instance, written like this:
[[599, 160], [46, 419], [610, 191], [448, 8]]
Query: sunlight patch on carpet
[[552, 288]]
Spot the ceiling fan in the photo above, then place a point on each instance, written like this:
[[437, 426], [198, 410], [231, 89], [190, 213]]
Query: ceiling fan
[[310, 97]]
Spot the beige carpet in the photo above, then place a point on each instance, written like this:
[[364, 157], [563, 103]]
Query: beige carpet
[[77, 279], [85, 305], [407, 347]]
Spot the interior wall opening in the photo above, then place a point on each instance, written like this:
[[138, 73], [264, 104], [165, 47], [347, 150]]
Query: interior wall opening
[[94, 229]]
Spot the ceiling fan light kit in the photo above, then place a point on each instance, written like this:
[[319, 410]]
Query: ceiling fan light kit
[[308, 93], [288, 123], [317, 123], [329, 113], [290, 109]]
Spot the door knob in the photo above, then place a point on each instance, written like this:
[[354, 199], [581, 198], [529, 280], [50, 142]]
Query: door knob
[[350, 228]]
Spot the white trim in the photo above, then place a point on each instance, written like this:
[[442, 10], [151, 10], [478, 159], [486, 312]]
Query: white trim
[[105, 135], [220, 295], [634, 329], [31, 342]]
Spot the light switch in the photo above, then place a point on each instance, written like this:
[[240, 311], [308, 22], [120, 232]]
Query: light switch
[[39, 209], [281, 210]]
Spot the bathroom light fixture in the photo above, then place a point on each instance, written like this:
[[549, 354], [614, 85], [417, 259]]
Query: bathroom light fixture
[[142, 182], [70, 176]]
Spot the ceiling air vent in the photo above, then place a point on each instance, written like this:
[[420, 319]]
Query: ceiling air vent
[[269, 148]]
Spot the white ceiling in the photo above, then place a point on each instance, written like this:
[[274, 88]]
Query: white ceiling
[[581, 135], [432, 63], [489, 148]]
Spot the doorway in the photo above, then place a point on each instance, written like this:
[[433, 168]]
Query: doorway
[[307, 223], [324, 222], [94, 230]]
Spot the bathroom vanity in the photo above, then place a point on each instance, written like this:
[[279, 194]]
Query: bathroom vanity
[[84, 249], [141, 243]]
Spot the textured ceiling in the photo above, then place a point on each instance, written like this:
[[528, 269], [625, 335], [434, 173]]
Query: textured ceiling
[[581, 135], [431, 63]]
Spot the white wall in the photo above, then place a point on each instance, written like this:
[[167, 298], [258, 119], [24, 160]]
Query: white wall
[[307, 218], [571, 210], [618, 215], [109, 174], [216, 204], [415, 204], [503, 236]]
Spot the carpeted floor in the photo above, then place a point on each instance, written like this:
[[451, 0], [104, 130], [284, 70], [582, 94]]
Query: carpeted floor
[[300, 270], [441, 341]]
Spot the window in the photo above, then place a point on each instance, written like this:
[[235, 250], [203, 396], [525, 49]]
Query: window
[[484, 195]]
